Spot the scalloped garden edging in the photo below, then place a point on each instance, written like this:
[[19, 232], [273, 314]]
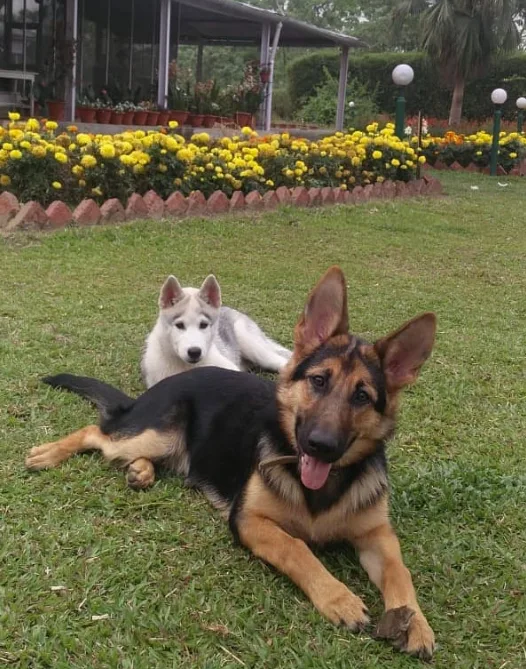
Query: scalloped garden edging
[[32, 216]]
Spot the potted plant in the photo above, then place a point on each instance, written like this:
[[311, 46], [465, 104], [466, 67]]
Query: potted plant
[[249, 96], [103, 106], [86, 111], [50, 87], [211, 106], [164, 117], [178, 93], [141, 114], [198, 103], [128, 112], [117, 114]]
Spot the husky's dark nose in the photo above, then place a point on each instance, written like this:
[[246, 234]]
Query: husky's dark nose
[[323, 445], [194, 354]]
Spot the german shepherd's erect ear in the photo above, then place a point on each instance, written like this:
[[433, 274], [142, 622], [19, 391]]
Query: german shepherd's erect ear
[[404, 351], [325, 314]]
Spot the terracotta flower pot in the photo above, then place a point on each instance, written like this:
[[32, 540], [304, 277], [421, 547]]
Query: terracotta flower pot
[[127, 118], [179, 116], [86, 114], [210, 120], [116, 118], [103, 115], [195, 120], [56, 109], [139, 117], [244, 119], [163, 118], [152, 117]]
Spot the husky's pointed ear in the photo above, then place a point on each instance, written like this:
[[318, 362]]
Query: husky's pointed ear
[[171, 292], [404, 351], [210, 292], [325, 314]]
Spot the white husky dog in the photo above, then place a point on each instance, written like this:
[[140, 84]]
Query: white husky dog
[[194, 330]]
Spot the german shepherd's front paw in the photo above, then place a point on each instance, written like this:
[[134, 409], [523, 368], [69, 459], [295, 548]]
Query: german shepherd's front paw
[[342, 607], [409, 631], [44, 456], [141, 474]]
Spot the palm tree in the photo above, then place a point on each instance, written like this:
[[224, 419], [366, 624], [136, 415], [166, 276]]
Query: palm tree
[[462, 36]]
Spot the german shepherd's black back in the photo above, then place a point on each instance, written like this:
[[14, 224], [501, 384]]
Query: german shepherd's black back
[[291, 464]]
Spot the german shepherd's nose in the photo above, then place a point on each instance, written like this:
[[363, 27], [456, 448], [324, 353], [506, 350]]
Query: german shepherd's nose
[[323, 445]]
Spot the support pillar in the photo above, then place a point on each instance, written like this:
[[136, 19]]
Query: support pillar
[[199, 63], [270, 88], [263, 62], [164, 52], [342, 87], [71, 26]]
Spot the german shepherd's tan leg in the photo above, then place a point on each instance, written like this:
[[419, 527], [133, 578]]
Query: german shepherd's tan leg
[[403, 622], [293, 557], [138, 451], [52, 454], [141, 474]]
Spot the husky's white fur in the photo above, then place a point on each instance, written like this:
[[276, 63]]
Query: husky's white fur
[[194, 330]]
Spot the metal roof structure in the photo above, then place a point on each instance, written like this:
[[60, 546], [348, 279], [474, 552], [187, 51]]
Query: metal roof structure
[[203, 22], [237, 23]]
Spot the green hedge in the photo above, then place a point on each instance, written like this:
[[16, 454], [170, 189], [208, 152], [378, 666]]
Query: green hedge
[[427, 92]]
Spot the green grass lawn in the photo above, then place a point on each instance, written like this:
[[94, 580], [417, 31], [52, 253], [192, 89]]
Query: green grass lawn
[[160, 566]]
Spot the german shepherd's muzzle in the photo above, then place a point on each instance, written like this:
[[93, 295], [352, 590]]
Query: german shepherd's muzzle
[[293, 464]]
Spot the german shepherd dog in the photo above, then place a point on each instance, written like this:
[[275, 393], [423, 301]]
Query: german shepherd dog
[[291, 465]]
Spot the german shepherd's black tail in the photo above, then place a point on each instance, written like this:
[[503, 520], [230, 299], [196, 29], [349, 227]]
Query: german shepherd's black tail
[[109, 400]]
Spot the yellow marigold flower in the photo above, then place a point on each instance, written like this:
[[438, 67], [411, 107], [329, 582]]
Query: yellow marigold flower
[[173, 125], [25, 145], [162, 168], [15, 154], [395, 162], [269, 183], [32, 125], [177, 182], [380, 179], [39, 151], [51, 125], [107, 150], [512, 155], [72, 147], [138, 169], [82, 183], [7, 146], [56, 185], [14, 116], [61, 158], [77, 170], [246, 130], [5, 180], [356, 162], [88, 161], [343, 187], [377, 155], [96, 191], [421, 159], [83, 139]]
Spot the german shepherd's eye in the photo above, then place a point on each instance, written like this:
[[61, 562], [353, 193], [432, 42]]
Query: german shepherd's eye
[[203, 325], [179, 325], [318, 381], [360, 397]]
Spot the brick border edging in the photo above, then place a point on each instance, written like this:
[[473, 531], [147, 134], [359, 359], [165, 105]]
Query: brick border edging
[[31, 216], [517, 171]]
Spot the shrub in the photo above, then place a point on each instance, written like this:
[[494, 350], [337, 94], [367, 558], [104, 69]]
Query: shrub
[[427, 93], [321, 107]]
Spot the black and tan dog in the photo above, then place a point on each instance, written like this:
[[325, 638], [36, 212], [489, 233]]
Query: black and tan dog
[[297, 463]]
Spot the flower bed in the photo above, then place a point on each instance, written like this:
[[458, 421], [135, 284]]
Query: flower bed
[[474, 149], [38, 164]]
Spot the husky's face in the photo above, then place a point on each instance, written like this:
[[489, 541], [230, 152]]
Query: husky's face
[[190, 315]]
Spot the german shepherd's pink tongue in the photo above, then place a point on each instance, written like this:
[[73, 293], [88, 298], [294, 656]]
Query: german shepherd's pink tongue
[[314, 473]]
